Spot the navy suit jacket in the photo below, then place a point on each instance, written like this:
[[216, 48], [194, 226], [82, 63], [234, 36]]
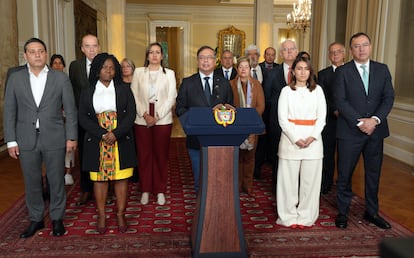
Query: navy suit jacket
[[353, 103], [219, 71], [326, 79], [191, 94], [263, 66]]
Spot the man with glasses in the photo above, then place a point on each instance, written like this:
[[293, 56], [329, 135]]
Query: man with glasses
[[202, 89], [226, 70], [364, 96], [253, 53], [326, 79]]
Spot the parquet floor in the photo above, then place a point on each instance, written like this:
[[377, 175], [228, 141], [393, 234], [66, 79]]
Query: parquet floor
[[396, 189]]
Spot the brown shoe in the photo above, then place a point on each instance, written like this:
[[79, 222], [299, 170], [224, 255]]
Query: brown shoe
[[101, 224], [122, 223]]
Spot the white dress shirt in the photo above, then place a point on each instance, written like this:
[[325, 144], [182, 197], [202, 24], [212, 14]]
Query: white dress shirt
[[104, 98]]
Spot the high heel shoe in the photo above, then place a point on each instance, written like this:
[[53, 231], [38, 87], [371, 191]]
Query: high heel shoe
[[122, 224], [101, 225]]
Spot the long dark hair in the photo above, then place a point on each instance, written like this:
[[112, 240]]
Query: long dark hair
[[97, 65], [147, 51], [311, 84]]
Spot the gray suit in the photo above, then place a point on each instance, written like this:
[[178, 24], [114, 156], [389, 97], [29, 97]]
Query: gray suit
[[45, 145]]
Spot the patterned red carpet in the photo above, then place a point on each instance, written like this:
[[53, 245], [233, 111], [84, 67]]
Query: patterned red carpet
[[164, 231]]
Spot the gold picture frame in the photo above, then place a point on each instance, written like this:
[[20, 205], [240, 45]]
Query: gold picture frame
[[231, 39]]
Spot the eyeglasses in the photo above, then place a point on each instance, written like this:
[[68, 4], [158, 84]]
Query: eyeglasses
[[365, 45], [336, 52], [206, 57], [287, 49]]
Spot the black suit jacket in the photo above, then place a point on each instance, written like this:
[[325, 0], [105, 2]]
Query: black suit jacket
[[263, 66], [353, 103], [191, 94], [126, 113], [326, 79], [78, 77], [219, 71], [275, 80]]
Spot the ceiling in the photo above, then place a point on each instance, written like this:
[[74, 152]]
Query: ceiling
[[207, 2]]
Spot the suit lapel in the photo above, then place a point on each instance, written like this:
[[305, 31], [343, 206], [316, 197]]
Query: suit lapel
[[49, 86], [200, 89], [357, 77], [28, 89]]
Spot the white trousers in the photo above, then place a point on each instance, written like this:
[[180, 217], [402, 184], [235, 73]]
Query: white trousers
[[297, 191]]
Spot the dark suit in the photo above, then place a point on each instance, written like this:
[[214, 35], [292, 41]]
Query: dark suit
[[326, 79], [264, 150], [191, 94], [219, 71], [264, 68], [44, 145], [79, 79], [275, 81], [353, 103], [126, 113]]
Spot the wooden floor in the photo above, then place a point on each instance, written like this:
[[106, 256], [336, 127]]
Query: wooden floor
[[396, 190]]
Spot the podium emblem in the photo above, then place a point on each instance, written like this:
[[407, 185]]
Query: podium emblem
[[224, 116]]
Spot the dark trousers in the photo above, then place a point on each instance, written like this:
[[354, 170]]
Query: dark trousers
[[329, 149], [86, 184], [349, 151]]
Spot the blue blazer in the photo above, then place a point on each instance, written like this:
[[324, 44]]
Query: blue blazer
[[191, 94], [353, 103]]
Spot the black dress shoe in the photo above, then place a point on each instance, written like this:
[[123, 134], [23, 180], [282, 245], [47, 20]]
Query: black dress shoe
[[85, 197], [33, 227], [58, 228], [341, 221], [377, 220]]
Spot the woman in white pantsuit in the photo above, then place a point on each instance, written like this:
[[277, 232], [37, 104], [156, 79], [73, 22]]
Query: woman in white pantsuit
[[302, 112]]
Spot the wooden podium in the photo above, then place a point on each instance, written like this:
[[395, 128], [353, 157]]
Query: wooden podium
[[217, 228]]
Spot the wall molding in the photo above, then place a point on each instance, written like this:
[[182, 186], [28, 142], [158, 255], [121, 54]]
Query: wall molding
[[399, 154]]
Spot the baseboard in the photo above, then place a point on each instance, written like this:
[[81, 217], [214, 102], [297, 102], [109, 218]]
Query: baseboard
[[399, 154]]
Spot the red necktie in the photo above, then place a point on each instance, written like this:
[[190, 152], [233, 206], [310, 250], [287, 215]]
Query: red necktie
[[289, 75]]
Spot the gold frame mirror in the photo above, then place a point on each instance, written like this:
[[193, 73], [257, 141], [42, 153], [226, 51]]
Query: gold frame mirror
[[231, 39]]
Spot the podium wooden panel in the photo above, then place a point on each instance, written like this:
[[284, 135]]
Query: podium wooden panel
[[217, 229]]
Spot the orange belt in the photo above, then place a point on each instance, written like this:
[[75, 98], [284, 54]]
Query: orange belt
[[302, 122]]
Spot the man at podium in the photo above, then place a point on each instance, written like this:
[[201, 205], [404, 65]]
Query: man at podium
[[202, 89]]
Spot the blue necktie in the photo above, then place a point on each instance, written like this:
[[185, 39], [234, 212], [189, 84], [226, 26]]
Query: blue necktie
[[365, 77], [254, 74], [207, 90], [227, 74]]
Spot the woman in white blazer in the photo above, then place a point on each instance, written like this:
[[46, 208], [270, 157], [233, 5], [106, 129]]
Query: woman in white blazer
[[301, 113], [154, 89]]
